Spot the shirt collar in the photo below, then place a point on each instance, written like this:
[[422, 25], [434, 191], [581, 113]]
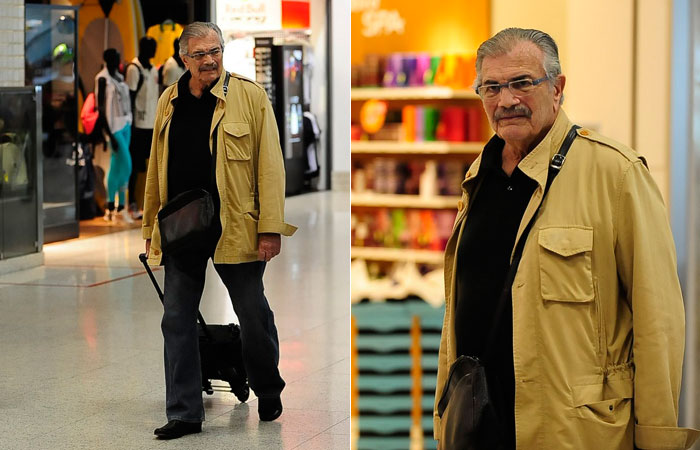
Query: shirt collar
[[183, 86], [492, 157]]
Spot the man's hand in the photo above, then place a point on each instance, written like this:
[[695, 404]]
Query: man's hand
[[268, 246], [148, 247]]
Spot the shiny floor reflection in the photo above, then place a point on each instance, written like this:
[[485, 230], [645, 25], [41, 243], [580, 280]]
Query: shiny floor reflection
[[81, 361]]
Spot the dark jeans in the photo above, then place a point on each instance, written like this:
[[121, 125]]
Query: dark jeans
[[184, 283]]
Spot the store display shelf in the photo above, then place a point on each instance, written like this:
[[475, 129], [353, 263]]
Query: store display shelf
[[412, 93], [403, 201], [397, 254], [417, 148]]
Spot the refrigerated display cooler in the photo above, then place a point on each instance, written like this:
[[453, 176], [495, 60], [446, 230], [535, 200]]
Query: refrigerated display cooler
[[279, 69]]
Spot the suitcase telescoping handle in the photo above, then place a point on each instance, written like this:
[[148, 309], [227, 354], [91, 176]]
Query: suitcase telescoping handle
[[144, 261]]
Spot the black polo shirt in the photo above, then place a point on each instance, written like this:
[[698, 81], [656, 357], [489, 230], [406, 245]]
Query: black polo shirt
[[483, 260], [189, 157]]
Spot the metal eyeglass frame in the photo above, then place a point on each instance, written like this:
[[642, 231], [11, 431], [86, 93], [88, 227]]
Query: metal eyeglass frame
[[200, 55], [508, 85]]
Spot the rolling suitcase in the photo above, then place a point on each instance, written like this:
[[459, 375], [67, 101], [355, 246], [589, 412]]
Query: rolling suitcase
[[219, 351]]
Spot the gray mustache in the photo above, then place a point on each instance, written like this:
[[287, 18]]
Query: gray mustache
[[212, 66], [515, 111]]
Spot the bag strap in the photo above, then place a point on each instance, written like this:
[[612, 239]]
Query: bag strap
[[212, 182], [555, 166], [140, 82], [213, 153]]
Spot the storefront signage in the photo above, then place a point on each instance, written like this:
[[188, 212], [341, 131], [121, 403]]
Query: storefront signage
[[377, 21], [249, 15]]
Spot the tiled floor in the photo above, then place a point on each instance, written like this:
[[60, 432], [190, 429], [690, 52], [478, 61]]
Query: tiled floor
[[81, 363]]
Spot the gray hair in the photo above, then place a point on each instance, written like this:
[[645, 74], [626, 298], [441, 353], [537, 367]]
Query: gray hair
[[198, 29], [504, 41]]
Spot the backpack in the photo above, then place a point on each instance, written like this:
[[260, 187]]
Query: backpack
[[122, 98], [89, 113], [140, 83]]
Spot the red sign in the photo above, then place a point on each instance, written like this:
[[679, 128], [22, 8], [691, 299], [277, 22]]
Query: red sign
[[296, 14]]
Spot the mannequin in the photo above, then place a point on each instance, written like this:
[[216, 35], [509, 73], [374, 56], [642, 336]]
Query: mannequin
[[114, 122], [142, 79]]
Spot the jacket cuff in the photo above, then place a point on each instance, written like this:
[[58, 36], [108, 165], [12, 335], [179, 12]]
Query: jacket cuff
[[664, 438], [275, 226], [146, 232]]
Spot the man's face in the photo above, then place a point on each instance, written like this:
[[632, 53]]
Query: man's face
[[206, 69], [521, 120]]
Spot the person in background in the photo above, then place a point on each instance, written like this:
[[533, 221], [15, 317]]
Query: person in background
[[173, 68], [588, 351], [142, 79], [114, 123], [195, 118]]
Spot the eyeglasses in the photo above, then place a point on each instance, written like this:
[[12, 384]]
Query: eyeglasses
[[519, 87], [198, 56]]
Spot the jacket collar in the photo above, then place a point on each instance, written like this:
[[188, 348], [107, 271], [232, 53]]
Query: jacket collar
[[535, 163], [218, 91]]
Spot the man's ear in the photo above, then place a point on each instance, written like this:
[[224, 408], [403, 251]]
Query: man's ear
[[559, 84]]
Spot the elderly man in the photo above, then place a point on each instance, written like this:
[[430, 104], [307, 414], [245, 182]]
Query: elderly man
[[587, 350], [196, 119]]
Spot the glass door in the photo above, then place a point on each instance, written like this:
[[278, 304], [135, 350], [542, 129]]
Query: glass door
[[50, 54], [20, 196]]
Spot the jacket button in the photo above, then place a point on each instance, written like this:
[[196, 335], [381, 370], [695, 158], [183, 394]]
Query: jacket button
[[584, 133], [156, 252]]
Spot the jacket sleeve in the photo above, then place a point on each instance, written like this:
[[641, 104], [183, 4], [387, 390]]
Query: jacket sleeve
[[441, 375], [271, 174], [646, 264], [151, 201]]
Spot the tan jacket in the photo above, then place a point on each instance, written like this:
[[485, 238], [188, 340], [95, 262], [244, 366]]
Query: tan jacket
[[249, 170], [598, 320]]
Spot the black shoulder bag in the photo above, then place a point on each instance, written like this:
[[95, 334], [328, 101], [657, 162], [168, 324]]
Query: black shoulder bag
[[465, 400], [185, 221]]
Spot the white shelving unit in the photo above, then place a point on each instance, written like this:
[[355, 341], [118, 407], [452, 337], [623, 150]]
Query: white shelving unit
[[412, 93], [416, 148], [438, 95], [397, 254], [369, 199]]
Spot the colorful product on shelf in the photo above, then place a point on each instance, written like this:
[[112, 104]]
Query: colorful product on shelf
[[408, 120], [401, 228], [414, 123], [392, 70], [456, 71], [373, 115], [410, 177], [422, 68], [431, 117], [453, 125]]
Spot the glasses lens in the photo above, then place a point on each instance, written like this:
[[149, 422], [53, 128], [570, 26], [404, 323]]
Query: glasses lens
[[200, 55], [521, 86], [489, 90]]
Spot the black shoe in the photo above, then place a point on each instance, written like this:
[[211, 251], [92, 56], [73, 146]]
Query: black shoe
[[177, 428], [269, 408]]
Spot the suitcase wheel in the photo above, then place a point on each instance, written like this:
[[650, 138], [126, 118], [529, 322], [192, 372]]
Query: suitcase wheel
[[206, 387], [242, 393]]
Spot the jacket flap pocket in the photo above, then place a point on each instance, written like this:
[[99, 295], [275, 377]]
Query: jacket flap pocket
[[238, 129], [566, 241], [594, 393]]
